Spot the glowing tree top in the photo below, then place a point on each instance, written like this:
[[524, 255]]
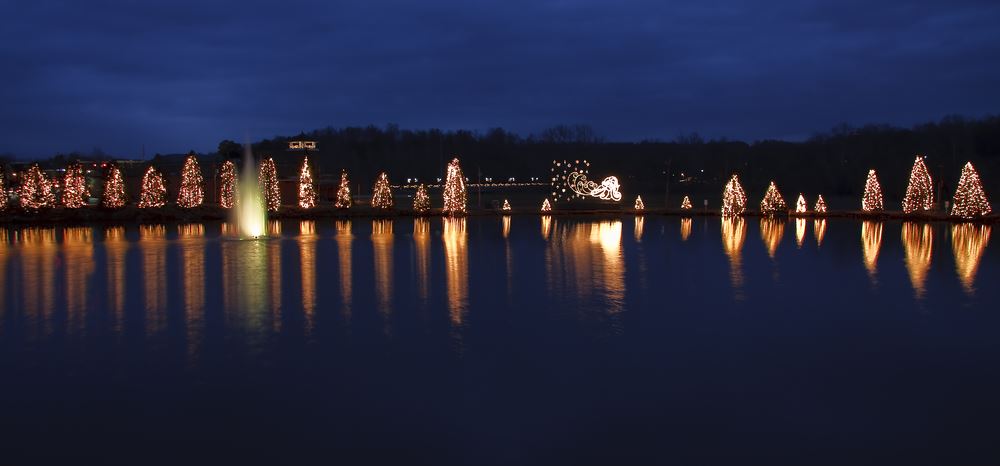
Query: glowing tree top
[[192, 193], [154, 190], [227, 185], [686, 203], [75, 192], [800, 205], [268, 179], [307, 190], [114, 188], [920, 191], [454, 189], [734, 199], [546, 206], [820, 207], [872, 199], [773, 202], [506, 206], [639, 205], [343, 200], [970, 199], [36, 189], [382, 193], [421, 201]]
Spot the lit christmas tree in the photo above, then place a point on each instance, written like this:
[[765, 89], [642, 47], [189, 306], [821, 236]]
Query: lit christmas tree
[[75, 193], [343, 200], [154, 189], [506, 205], [872, 199], [114, 188], [227, 185], [734, 199], [421, 201], [800, 206], [773, 202], [546, 207], [920, 191], [970, 199], [36, 189], [268, 179], [382, 193], [686, 203], [192, 193], [3, 189], [307, 190], [454, 190], [639, 204], [820, 207]]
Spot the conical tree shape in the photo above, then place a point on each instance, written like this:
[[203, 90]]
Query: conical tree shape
[[454, 190], [382, 193], [268, 179], [920, 191], [154, 190], [872, 199], [546, 206], [307, 190], [75, 192], [343, 192], [734, 199], [3, 190], [36, 189], [686, 203], [227, 185], [772, 203], [114, 189], [820, 207], [639, 205], [970, 199], [801, 206], [192, 192], [506, 205], [421, 201]]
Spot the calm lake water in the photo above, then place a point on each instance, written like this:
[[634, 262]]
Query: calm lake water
[[493, 340]]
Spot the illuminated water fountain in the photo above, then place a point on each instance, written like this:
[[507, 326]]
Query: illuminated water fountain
[[251, 216]]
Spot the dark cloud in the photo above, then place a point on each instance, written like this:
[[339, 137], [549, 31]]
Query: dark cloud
[[183, 75]]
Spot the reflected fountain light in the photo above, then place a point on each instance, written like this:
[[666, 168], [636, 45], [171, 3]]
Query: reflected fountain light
[[345, 241], [153, 239], [307, 259], [871, 241], [38, 252], [422, 250], [819, 229], [771, 232], [382, 251], [115, 247], [639, 220], [734, 232], [78, 262], [685, 228], [191, 240], [456, 268], [968, 241], [918, 242], [800, 230], [245, 280]]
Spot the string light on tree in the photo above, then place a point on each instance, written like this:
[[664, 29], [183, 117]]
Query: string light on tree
[[506, 206], [3, 189], [421, 201], [454, 189], [307, 189], [820, 207], [382, 193], [154, 189], [686, 203], [227, 185], [75, 192], [546, 206], [773, 202], [970, 198], [343, 200], [192, 192], [36, 189], [800, 206], [920, 191], [268, 179], [734, 199], [872, 199], [114, 188], [639, 205]]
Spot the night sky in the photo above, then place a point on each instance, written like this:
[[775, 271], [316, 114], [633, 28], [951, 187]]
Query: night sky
[[181, 75]]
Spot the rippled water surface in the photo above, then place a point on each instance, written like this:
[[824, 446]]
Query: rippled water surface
[[498, 340]]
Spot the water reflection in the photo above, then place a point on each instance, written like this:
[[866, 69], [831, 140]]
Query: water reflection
[[771, 232], [344, 238], [734, 232], [546, 226], [918, 241], [422, 251], [307, 259], [382, 247], [191, 240], [871, 241], [639, 220], [508, 255], [685, 228], [245, 280], [819, 230], [78, 264], [456, 268], [968, 241], [38, 252], [586, 258], [115, 247], [505, 226], [800, 231], [154, 265]]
